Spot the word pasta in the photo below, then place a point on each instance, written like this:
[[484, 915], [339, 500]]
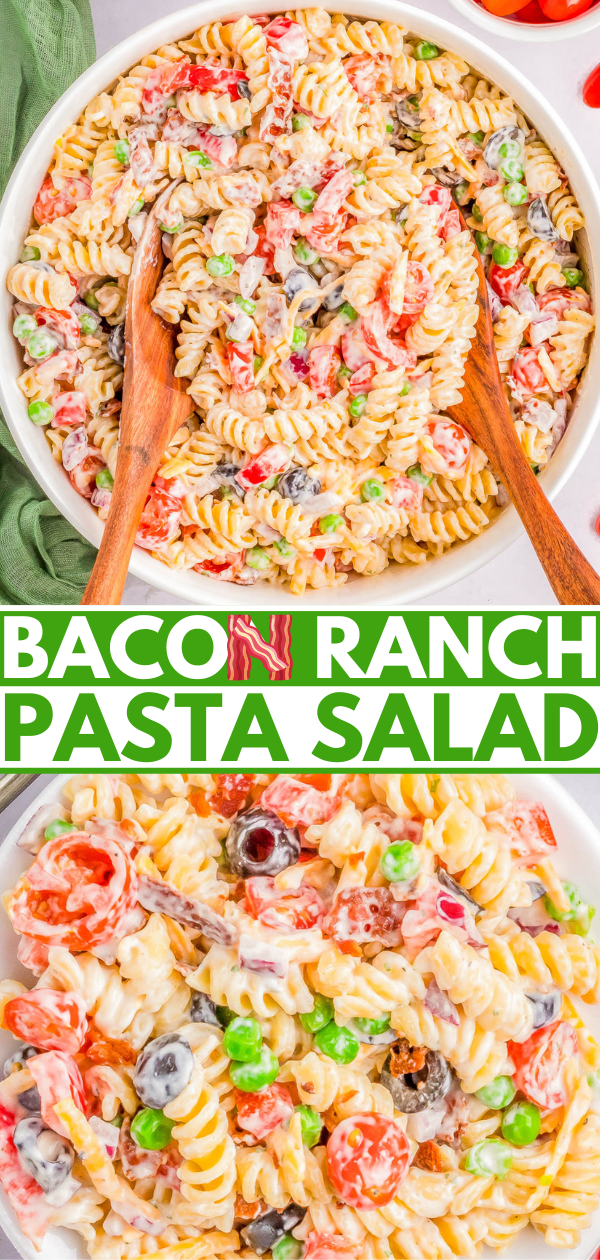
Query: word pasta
[[302, 1016]]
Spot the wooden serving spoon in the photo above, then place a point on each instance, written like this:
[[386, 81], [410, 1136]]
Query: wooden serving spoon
[[155, 405], [485, 413]]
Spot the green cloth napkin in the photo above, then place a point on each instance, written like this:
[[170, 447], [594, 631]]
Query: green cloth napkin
[[45, 45]]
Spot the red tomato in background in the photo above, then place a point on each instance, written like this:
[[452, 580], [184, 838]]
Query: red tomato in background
[[591, 89], [368, 1157], [539, 1062], [531, 13], [48, 1019], [562, 10], [503, 8], [506, 280]]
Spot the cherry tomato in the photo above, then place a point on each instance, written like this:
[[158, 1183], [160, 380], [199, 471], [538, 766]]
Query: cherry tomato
[[506, 280], [361, 382], [364, 73], [375, 326], [48, 1019], [364, 915], [333, 195], [33, 954], [216, 78], [51, 203], [57, 1076], [65, 323], [295, 909], [224, 570], [275, 459], [288, 37], [556, 301], [562, 10], [418, 290], [69, 408], [527, 372], [80, 892], [324, 363], [283, 220], [529, 828], [354, 350], [240, 355], [502, 8], [539, 1062], [451, 447], [437, 195], [83, 476], [323, 231], [260, 1113], [591, 89], [168, 78], [330, 1247], [296, 802], [368, 1157], [231, 793], [160, 519], [407, 494], [451, 225], [531, 13]]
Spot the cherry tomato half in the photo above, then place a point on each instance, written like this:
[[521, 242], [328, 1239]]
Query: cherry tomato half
[[448, 448], [261, 1112], [367, 1158], [539, 1062], [48, 1019]]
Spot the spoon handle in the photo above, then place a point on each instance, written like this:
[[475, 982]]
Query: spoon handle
[[132, 483], [569, 573]]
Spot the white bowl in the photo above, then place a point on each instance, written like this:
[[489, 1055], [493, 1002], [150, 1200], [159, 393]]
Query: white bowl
[[579, 860], [395, 586], [533, 32]]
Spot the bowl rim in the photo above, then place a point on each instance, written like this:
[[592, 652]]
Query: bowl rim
[[540, 786], [547, 32], [416, 581]]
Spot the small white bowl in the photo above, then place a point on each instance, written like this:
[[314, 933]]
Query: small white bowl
[[529, 32], [579, 860], [396, 585]]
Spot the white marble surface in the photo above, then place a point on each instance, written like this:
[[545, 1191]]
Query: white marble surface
[[559, 70]]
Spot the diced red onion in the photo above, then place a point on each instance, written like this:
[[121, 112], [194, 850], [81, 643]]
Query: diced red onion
[[250, 275], [107, 1133], [101, 498], [539, 412], [525, 302], [439, 1004], [541, 330], [74, 448], [275, 321], [298, 362], [241, 328]]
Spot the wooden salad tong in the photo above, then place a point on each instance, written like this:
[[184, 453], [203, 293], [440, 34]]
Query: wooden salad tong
[[485, 413], [155, 405]]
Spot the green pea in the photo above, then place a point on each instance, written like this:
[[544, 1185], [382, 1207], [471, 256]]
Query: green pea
[[105, 479], [521, 1123], [257, 558], [511, 169], [284, 549], [304, 253], [311, 1123], [510, 149], [299, 122], [40, 412], [476, 137], [151, 1129], [91, 300], [579, 915], [58, 827], [372, 490], [358, 404], [482, 241], [477, 215], [24, 326], [88, 324], [195, 157], [243, 1039], [343, 372], [329, 524], [413, 101], [572, 277], [121, 152], [337, 1043], [40, 345], [359, 178], [256, 1074], [406, 388], [514, 194], [389, 127], [220, 265], [504, 256], [459, 191], [30, 253], [164, 227], [424, 51], [348, 311], [245, 304], [304, 199], [489, 1158], [498, 1094], [287, 1248], [400, 862], [258, 362], [136, 207], [415, 473], [321, 1014], [225, 1016], [299, 336], [372, 1027]]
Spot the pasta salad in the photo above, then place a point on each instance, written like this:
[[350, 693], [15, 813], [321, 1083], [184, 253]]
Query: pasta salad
[[300, 1016], [322, 285]]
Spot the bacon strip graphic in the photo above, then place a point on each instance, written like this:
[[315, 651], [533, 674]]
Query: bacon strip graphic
[[246, 642]]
